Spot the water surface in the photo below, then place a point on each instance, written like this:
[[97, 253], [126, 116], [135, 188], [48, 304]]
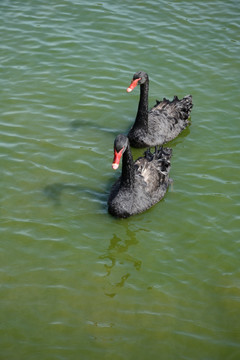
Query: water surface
[[75, 282]]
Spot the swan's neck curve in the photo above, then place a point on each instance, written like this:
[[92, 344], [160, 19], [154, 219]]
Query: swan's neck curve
[[141, 120], [127, 178]]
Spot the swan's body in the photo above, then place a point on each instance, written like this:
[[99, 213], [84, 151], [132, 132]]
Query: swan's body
[[163, 122], [142, 184]]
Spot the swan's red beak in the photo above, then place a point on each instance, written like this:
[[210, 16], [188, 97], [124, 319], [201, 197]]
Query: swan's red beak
[[133, 85], [116, 159]]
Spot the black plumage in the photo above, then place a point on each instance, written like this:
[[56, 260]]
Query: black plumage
[[143, 183], [163, 122]]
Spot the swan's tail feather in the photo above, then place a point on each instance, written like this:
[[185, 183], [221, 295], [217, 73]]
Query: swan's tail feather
[[159, 153], [186, 106], [163, 153], [161, 157], [183, 106], [148, 155]]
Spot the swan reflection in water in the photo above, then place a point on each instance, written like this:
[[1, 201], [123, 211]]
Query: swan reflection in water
[[117, 254], [55, 191]]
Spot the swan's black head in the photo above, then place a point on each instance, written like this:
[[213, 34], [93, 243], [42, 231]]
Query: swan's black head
[[120, 145], [140, 78]]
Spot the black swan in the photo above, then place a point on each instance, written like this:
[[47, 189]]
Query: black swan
[[142, 184], [163, 122]]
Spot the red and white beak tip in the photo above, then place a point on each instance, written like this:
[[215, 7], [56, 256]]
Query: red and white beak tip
[[129, 89], [115, 166], [133, 85]]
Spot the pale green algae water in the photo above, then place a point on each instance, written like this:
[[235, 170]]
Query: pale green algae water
[[75, 282]]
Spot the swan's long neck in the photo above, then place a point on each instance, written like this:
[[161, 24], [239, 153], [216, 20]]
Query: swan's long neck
[[142, 114], [127, 179]]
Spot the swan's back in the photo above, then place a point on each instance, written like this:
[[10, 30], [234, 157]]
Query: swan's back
[[168, 118], [152, 172]]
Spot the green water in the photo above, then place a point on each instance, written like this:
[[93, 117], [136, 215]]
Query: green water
[[75, 282]]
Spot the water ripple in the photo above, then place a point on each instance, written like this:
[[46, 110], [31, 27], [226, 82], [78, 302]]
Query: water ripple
[[65, 68]]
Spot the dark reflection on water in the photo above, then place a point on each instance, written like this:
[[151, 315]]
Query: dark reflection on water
[[55, 191], [81, 124], [181, 137], [117, 253]]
